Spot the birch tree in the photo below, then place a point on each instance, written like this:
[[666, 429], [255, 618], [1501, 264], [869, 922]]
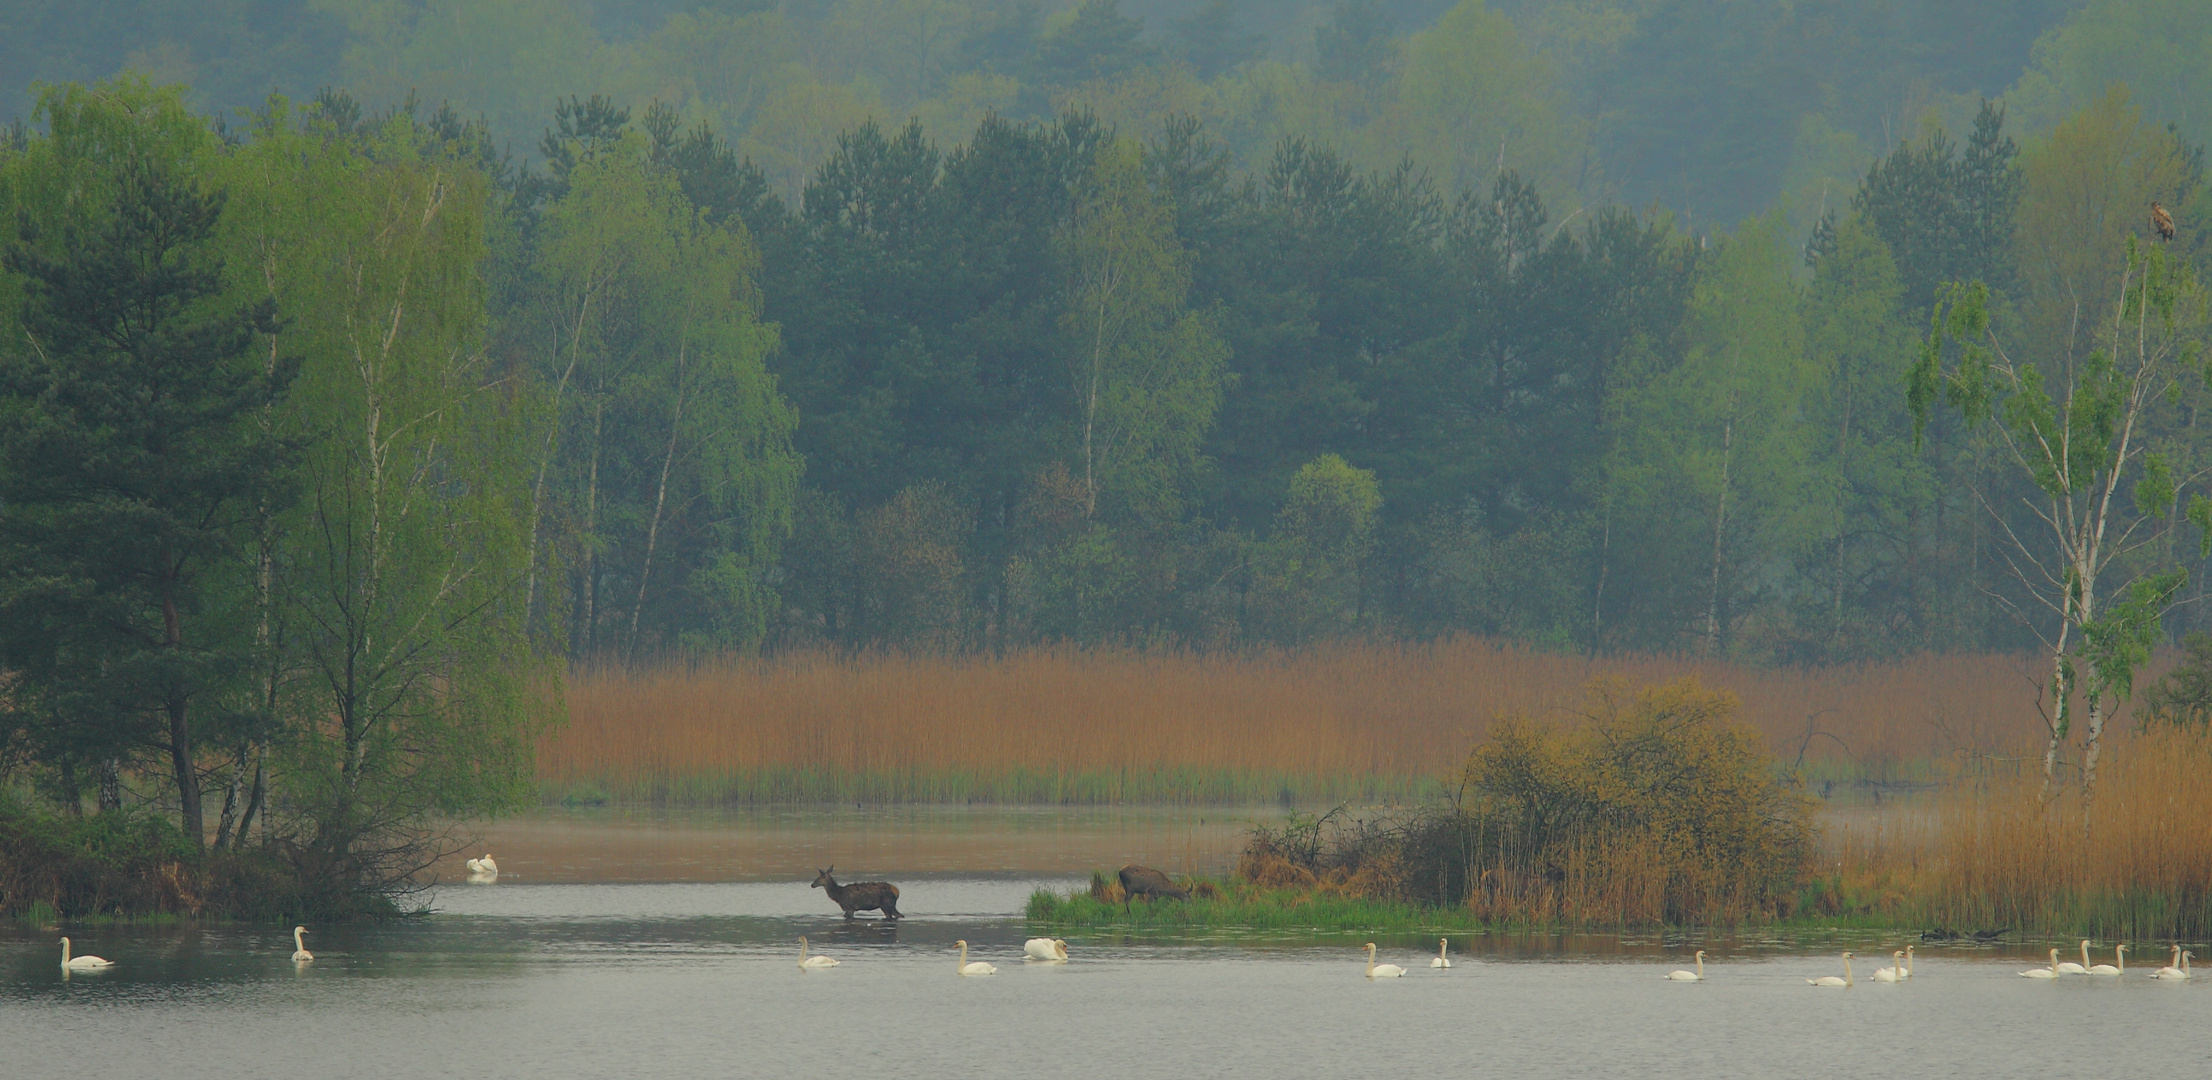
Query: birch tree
[[668, 444], [2101, 494], [419, 692], [1148, 372]]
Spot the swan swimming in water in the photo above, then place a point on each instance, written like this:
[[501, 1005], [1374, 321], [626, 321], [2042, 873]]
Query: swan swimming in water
[[82, 963], [1894, 973], [812, 963], [1830, 980], [977, 968], [1050, 950], [484, 866], [300, 955], [2120, 953], [2179, 969], [2043, 973], [1381, 971], [1691, 976], [1442, 961], [2072, 968]]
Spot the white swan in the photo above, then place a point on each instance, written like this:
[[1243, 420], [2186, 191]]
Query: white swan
[[2043, 973], [977, 968], [1830, 980], [2120, 953], [484, 865], [1051, 950], [1442, 961], [1894, 973], [2072, 968], [1381, 971], [2179, 969], [812, 963], [1908, 962], [300, 955], [1691, 976], [82, 963]]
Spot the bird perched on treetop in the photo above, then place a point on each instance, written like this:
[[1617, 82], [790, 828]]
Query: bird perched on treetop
[[2162, 222]]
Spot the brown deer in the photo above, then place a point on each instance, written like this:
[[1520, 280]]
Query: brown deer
[[1145, 881], [860, 895]]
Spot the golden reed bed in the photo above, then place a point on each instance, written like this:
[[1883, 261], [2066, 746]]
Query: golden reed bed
[[1353, 710], [2135, 863]]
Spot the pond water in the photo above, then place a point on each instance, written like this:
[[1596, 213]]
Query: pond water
[[686, 978]]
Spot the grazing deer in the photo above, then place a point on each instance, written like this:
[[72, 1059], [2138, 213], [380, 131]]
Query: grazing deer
[[1145, 881], [860, 895]]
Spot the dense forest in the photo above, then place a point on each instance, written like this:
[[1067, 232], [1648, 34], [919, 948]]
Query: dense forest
[[959, 326], [1789, 333]]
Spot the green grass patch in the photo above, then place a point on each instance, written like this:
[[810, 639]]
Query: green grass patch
[[1315, 914], [1264, 911], [1162, 786]]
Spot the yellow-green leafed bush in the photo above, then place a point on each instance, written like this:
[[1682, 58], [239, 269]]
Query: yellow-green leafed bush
[[1657, 807]]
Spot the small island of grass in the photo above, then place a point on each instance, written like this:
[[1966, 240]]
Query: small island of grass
[[1662, 811]]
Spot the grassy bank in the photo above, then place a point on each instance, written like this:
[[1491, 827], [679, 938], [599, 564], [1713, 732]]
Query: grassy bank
[[136, 866], [1662, 812], [1355, 722], [1241, 907]]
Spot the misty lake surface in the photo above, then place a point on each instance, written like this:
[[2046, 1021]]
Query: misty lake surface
[[549, 974]]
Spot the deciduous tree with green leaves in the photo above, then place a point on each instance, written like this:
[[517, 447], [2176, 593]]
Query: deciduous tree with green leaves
[[415, 692], [2080, 435], [1148, 372]]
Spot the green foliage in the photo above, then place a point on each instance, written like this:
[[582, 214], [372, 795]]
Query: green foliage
[[1661, 785], [2076, 436], [1242, 908], [411, 540], [298, 489], [2157, 45], [1716, 448], [668, 440], [2182, 698], [1307, 576], [132, 863], [1147, 370], [133, 452]]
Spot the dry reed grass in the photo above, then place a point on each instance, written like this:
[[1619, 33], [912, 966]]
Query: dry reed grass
[[1346, 720], [2134, 864]]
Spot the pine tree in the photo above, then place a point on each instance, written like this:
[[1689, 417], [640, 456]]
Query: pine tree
[[132, 459]]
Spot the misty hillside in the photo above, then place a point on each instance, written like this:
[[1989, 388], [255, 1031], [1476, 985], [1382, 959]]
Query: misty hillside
[[1713, 108]]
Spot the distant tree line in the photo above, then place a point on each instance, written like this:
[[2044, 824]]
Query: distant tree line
[[326, 436], [1056, 384]]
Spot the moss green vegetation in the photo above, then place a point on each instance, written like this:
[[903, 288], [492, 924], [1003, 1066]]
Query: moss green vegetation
[[1013, 786], [1266, 910], [1322, 912], [136, 866]]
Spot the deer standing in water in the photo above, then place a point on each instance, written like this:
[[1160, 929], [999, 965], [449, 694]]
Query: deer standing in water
[[860, 895]]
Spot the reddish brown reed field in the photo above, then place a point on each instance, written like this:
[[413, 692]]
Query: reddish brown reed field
[[2134, 862], [1337, 710]]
